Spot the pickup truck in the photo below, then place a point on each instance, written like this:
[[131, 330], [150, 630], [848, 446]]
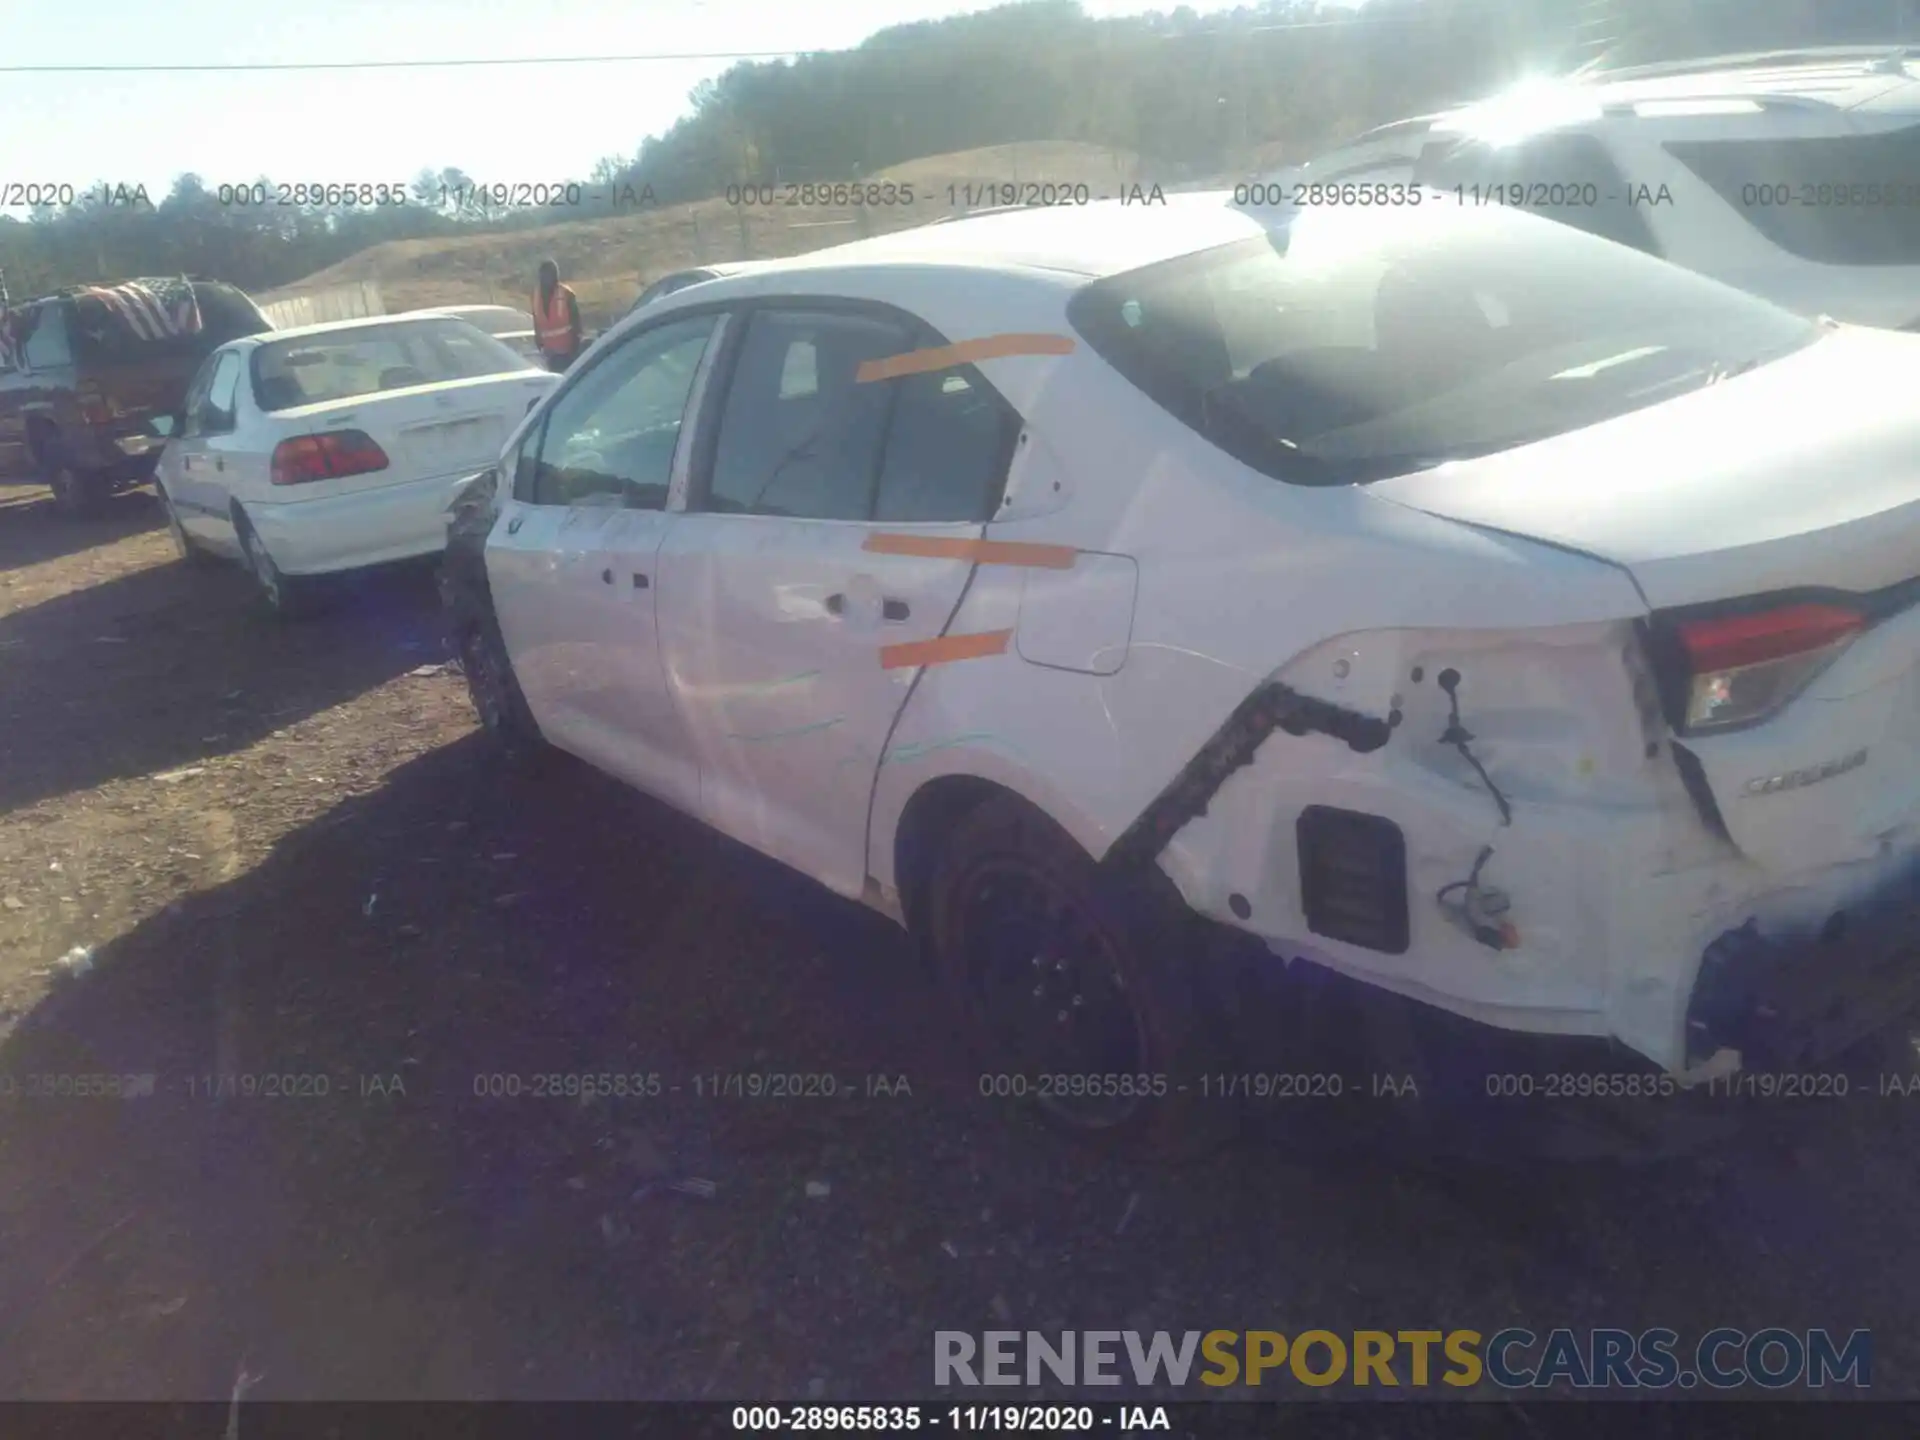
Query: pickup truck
[[92, 379]]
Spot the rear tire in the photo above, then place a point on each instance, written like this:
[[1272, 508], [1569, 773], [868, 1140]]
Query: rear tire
[[286, 597], [1062, 969], [77, 494], [495, 691]]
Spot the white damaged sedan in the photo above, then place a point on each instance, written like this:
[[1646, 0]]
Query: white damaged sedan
[[1520, 628]]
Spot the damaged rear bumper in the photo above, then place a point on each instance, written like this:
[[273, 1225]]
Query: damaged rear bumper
[[1620, 918], [1794, 1001]]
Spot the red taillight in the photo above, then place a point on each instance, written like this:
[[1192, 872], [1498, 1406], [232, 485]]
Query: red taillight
[[330, 456], [1745, 667]]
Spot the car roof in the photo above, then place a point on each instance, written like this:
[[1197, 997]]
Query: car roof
[[1070, 242], [1832, 78], [716, 271]]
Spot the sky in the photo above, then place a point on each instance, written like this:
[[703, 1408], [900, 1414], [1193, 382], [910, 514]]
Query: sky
[[501, 124]]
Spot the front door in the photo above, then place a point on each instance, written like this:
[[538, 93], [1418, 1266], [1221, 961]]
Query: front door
[[791, 594], [571, 561]]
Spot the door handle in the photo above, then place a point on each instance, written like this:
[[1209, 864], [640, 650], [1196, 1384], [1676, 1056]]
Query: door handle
[[607, 576], [894, 610], [836, 604], [219, 464], [513, 525]]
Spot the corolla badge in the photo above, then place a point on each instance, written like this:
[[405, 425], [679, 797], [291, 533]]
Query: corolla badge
[[1812, 775]]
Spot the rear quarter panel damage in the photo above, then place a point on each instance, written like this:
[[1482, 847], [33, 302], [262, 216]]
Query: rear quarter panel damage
[[1236, 575], [1616, 883]]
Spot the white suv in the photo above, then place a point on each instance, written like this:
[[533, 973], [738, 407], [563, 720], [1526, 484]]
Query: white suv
[[1795, 176]]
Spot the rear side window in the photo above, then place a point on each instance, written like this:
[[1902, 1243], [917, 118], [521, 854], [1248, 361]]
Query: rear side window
[[1839, 200], [345, 364], [1561, 175], [947, 452], [47, 345], [216, 412], [803, 435], [197, 391]]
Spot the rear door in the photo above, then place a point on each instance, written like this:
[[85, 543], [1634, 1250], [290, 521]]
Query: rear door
[[184, 442], [41, 391], [197, 478], [825, 535]]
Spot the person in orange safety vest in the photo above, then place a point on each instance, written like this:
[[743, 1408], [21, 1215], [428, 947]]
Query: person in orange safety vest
[[556, 318]]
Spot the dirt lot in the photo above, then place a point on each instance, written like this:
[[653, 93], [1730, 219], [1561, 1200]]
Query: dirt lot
[[294, 857]]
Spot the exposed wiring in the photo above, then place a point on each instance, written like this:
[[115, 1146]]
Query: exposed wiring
[[1458, 736], [1479, 911]]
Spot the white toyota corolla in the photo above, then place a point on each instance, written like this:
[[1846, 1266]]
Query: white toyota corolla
[[334, 447], [1512, 623]]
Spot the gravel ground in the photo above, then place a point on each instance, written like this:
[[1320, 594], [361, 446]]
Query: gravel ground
[[296, 862]]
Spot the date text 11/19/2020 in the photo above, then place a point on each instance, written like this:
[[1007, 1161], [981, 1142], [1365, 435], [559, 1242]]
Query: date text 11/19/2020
[[1383, 194], [962, 1419]]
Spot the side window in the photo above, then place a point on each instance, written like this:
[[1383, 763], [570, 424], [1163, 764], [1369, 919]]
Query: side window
[[47, 347], [197, 396], [800, 434], [947, 450], [216, 412], [1835, 200], [610, 439]]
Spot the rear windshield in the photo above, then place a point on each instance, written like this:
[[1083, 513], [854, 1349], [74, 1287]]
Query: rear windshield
[[1354, 344], [1839, 200], [315, 369]]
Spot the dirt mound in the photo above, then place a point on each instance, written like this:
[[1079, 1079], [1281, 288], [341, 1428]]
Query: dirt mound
[[608, 260]]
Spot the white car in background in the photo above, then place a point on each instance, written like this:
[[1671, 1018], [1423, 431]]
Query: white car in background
[[678, 280], [329, 448], [1499, 618], [1794, 175], [512, 328]]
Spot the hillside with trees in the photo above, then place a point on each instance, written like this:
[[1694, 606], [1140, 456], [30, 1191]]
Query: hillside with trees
[[1224, 93]]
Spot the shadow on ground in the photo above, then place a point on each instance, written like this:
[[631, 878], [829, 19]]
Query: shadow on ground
[[402, 1196], [32, 531], [156, 668]]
